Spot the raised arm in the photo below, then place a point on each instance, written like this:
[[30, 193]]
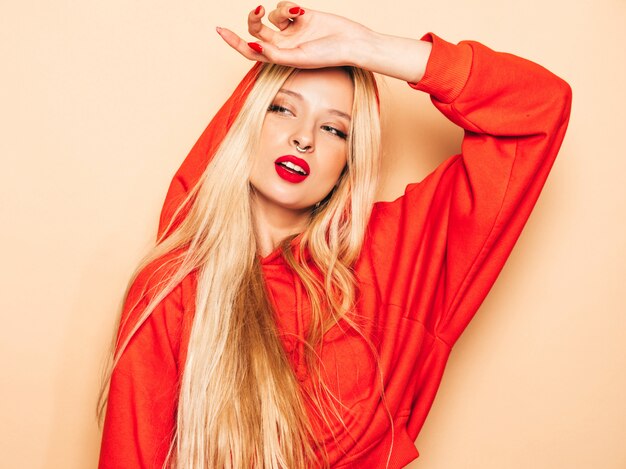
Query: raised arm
[[454, 230], [313, 39]]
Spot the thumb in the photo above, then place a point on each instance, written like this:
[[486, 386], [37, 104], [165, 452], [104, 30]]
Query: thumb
[[292, 57]]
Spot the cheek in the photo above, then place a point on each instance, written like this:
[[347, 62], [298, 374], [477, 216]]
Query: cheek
[[277, 129], [338, 163], [332, 172], [265, 141], [266, 151]]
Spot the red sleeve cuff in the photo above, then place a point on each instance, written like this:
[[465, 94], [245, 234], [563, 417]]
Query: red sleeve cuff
[[447, 69]]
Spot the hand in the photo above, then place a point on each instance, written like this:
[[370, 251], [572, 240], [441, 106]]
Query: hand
[[305, 38], [313, 39]]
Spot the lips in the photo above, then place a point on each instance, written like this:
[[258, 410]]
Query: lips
[[291, 168], [295, 160]]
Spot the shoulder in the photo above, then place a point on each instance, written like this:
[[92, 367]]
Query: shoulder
[[155, 275], [169, 304]]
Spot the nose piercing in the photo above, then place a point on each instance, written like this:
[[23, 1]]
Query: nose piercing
[[301, 150]]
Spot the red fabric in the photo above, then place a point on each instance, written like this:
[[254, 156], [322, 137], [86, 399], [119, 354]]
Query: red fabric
[[429, 259]]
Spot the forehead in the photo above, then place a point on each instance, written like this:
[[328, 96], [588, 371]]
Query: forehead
[[326, 87]]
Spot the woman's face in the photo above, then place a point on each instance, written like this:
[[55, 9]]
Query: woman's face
[[310, 112]]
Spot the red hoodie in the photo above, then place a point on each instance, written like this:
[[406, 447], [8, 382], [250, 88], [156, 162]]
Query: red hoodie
[[428, 261]]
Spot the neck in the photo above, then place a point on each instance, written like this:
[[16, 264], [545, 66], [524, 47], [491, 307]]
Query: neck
[[274, 223]]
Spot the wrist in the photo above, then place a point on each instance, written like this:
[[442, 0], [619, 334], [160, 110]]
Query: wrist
[[360, 48], [397, 57]]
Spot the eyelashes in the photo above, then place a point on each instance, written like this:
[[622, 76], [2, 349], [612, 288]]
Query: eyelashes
[[278, 109], [335, 131]]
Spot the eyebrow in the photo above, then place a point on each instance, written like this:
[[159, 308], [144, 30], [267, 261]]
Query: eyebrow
[[299, 96]]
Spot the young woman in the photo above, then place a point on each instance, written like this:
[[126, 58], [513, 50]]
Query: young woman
[[284, 319]]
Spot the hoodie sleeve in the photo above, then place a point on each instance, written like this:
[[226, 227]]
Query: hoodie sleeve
[[143, 392], [141, 408], [201, 154], [453, 231]]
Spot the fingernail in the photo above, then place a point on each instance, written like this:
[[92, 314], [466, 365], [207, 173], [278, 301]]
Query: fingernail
[[301, 11], [294, 10], [256, 47], [218, 29], [257, 10]]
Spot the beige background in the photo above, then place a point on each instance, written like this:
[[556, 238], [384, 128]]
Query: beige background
[[99, 103]]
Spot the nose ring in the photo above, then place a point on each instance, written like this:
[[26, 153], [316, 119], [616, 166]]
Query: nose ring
[[301, 150]]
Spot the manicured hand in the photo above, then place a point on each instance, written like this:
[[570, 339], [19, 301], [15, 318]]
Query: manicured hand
[[307, 38], [304, 38]]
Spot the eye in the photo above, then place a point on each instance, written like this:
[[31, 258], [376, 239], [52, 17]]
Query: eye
[[335, 131], [278, 109]]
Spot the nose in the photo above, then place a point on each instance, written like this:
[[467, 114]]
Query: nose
[[301, 149], [303, 141]]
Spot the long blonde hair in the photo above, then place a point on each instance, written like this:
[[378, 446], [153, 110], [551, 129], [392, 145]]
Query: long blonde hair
[[240, 404]]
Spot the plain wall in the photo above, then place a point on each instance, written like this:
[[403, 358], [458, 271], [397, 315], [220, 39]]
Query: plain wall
[[101, 101]]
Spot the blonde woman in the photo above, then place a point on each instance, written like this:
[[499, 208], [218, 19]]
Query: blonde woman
[[285, 320]]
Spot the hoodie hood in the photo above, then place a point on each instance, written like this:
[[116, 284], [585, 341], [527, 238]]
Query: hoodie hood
[[202, 152]]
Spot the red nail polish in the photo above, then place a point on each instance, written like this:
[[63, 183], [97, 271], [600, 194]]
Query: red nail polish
[[294, 10], [301, 11], [257, 10], [256, 47]]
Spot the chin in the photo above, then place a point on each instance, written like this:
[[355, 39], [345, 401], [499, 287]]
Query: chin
[[289, 200], [294, 205]]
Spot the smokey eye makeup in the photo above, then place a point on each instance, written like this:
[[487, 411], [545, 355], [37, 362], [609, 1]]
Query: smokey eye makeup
[[278, 108], [335, 131]]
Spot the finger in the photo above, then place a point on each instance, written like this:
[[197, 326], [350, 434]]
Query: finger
[[240, 45], [292, 57], [256, 27], [284, 15], [287, 4]]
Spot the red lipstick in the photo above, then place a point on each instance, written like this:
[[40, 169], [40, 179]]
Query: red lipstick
[[291, 168]]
